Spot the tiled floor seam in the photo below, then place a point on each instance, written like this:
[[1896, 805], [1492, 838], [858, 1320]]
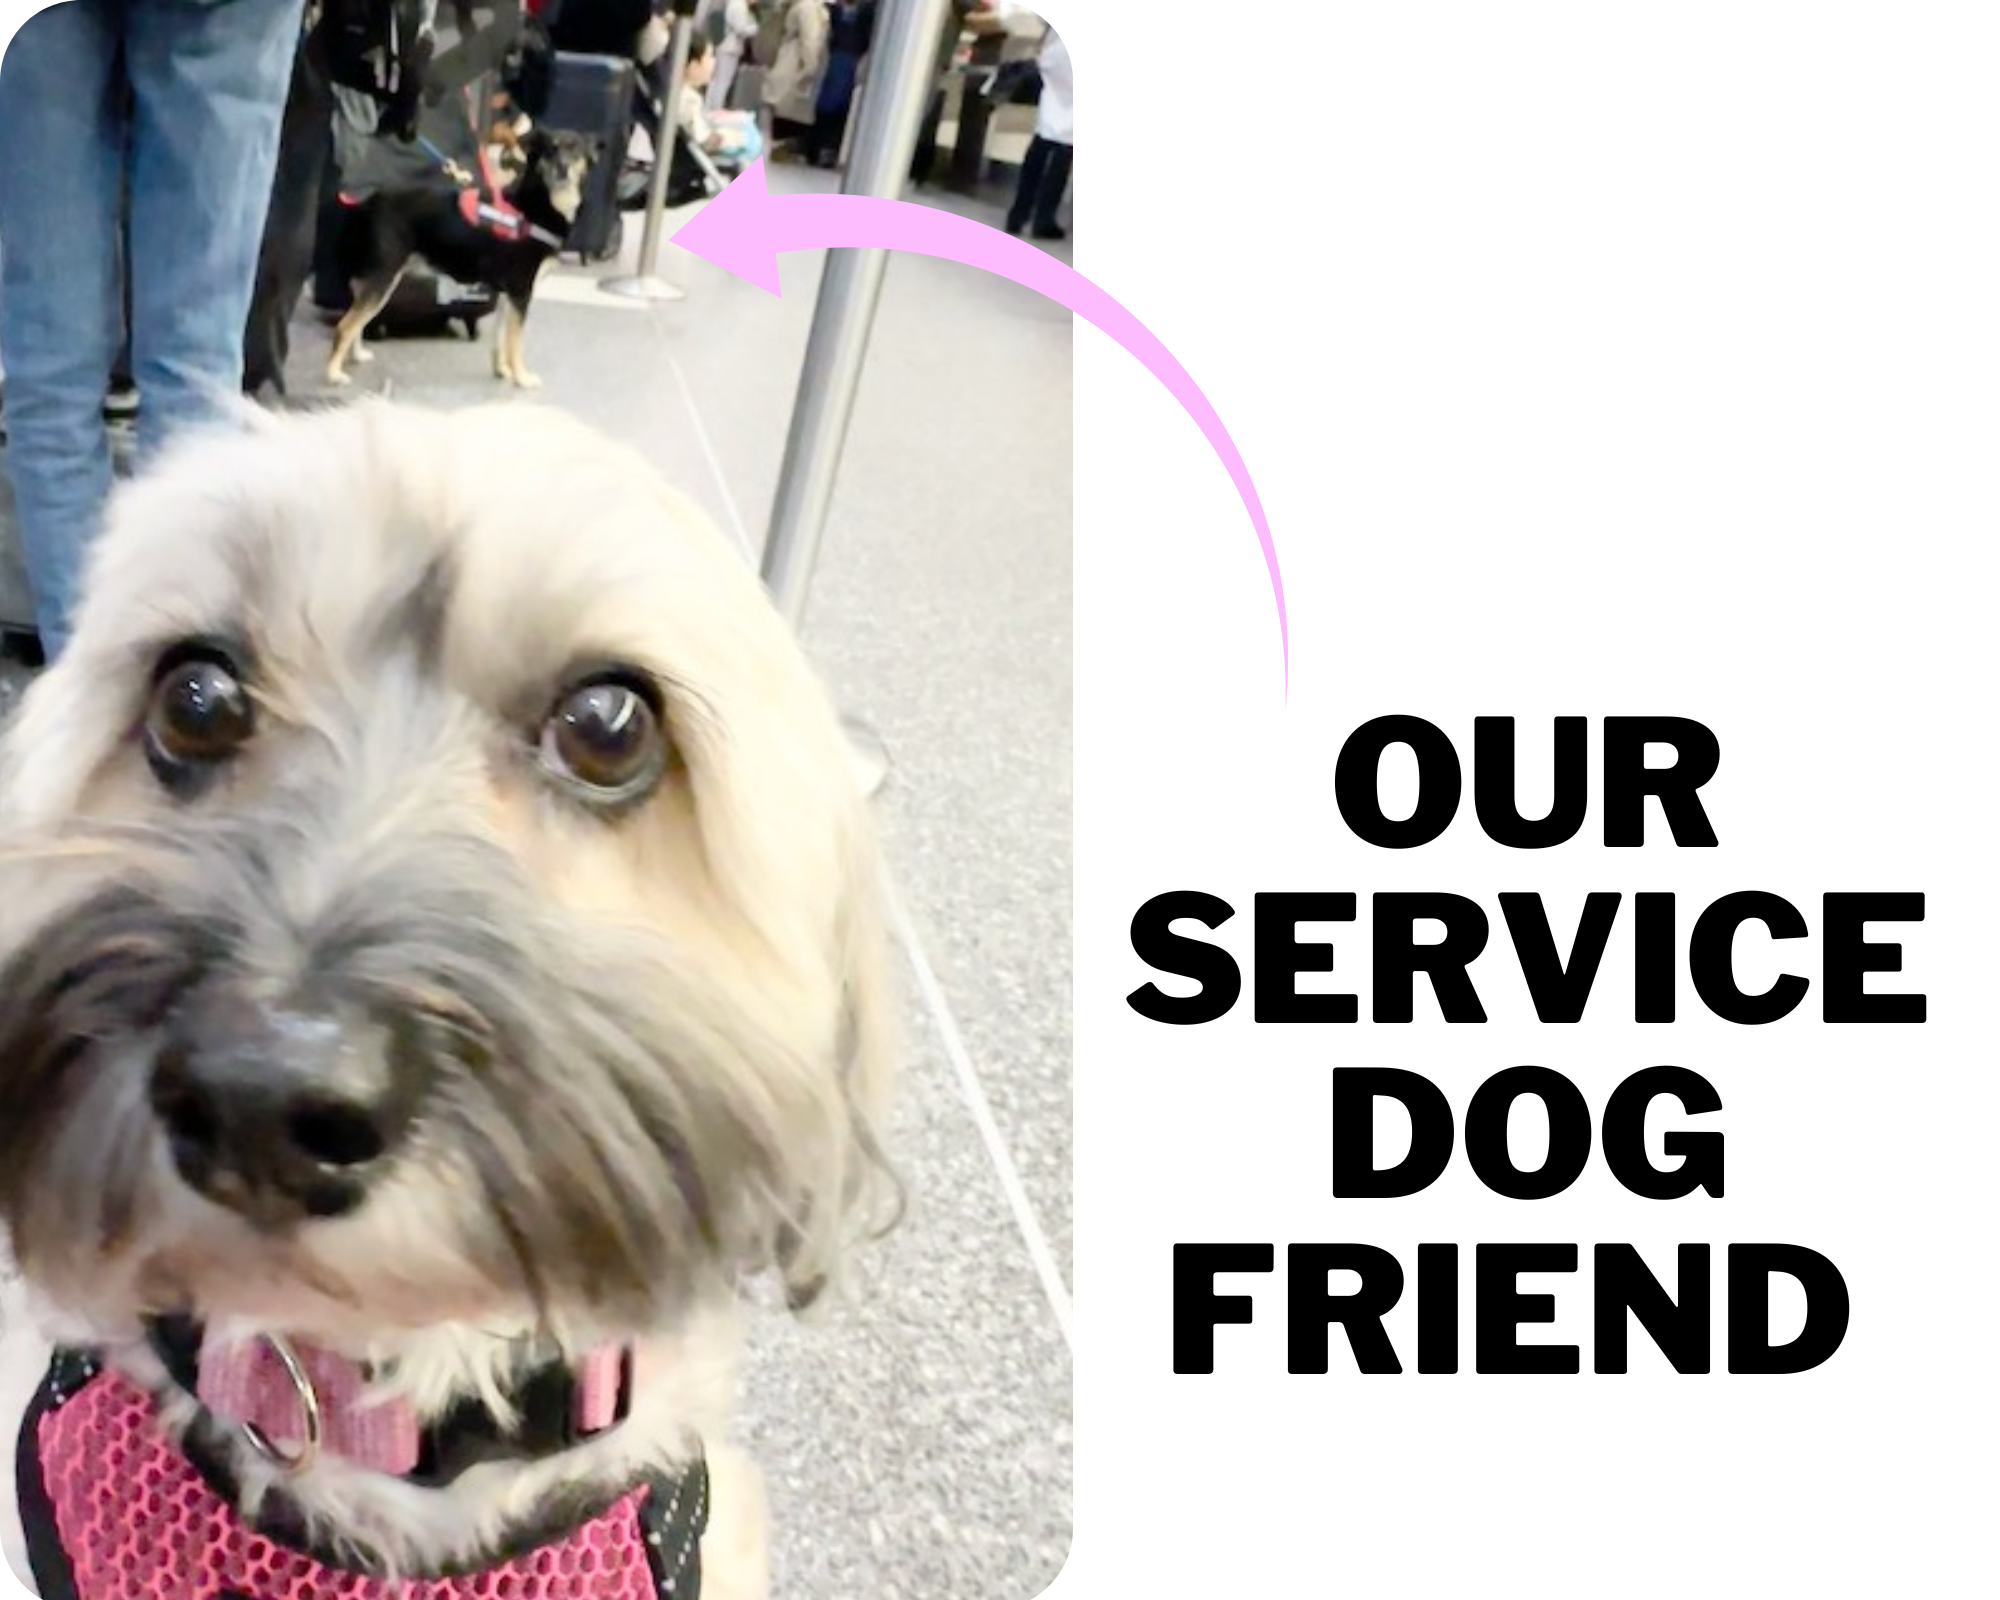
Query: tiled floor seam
[[1033, 1236], [1029, 1225], [737, 526]]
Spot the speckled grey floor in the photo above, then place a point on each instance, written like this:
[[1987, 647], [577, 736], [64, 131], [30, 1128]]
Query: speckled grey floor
[[918, 1438]]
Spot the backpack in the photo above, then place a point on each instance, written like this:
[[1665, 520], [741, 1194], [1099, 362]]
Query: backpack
[[383, 49]]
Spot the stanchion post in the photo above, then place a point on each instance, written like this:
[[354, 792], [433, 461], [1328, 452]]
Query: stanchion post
[[647, 284], [885, 128], [885, 140]]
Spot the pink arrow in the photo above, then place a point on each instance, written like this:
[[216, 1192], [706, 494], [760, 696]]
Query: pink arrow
[[744, 229]]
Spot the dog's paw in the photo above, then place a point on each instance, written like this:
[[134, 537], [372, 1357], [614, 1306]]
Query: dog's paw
[[337, 378], [362, 353], [526, 380]]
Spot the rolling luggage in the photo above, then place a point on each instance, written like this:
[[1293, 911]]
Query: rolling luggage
[[593, 95]]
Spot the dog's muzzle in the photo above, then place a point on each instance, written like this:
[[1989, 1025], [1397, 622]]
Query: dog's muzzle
[[282, 1113]]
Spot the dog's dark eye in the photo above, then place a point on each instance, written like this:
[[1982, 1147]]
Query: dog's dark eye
[[199, 715], [605, 737]]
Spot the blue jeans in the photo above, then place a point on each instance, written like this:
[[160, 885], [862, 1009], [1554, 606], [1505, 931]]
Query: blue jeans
[[185, 97]]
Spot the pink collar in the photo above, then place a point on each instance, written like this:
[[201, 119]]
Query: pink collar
[[273, 1387]]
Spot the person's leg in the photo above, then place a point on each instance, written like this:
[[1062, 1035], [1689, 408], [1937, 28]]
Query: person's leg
[[305, 148], [968, 156], [209, 84], [836, 94], [927, 139], [649, 100], [836, 136], [1054, 185], [728, 57], [1033, 165], [62, 131]]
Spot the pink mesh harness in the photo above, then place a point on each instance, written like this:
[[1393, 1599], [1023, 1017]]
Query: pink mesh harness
[[114, 1511]]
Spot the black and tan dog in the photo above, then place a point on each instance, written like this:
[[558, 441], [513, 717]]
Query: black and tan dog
[[462, 235]]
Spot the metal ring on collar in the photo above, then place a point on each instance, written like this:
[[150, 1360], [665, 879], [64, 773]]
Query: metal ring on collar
[[308, 1450]]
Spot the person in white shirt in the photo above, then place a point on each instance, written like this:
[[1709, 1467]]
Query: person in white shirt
[[1045, 171], [739, 27]]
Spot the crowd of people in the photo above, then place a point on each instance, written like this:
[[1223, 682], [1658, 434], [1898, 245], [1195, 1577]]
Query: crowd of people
[[814, 56], [142, 140], [808, 60]]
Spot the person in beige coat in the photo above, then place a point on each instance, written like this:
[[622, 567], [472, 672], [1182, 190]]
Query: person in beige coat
[[791, 83]]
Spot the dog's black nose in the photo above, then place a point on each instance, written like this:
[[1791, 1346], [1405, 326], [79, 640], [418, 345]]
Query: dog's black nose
[[278, 1113]]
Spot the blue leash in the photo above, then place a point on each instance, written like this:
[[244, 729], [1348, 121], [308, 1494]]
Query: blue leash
[[455, 170], [439, 156]]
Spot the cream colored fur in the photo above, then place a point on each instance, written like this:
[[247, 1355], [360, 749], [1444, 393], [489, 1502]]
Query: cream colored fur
[[754, 865]]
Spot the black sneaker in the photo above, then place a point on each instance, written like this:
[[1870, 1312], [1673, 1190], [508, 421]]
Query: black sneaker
[[24, 649], [1048, 230], [121, 404]]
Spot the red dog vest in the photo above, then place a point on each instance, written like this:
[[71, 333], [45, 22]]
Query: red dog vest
[[495, 216]]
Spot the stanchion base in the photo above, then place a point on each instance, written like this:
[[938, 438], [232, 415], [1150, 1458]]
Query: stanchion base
[[642, 288], [871, 755]]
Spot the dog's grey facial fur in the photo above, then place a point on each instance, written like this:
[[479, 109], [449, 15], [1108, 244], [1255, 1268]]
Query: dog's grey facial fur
[[597, 1159], [565, 167], [643, 1044]]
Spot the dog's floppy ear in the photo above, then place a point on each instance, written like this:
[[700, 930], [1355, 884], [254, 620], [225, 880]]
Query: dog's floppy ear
[[807, 882], [767, 802], [867, 1051]]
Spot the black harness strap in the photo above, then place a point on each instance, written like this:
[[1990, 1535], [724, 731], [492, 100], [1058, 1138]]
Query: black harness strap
[[673, 1517], [54, 1578]]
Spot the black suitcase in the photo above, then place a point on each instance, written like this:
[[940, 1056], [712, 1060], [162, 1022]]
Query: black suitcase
[[427, 304], [592, 95]]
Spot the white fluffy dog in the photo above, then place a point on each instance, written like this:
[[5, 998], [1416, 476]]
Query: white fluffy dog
[[440, 962]]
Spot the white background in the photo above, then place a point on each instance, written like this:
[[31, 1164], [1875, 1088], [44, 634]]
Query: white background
[[1592, 360]]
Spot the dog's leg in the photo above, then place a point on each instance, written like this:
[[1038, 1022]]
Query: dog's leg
[[735, 1551], [512, 365], [503, 335], [370, 296]]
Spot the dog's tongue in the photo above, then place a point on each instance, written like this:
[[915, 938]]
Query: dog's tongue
[[246, 1382], [599, 1378]]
